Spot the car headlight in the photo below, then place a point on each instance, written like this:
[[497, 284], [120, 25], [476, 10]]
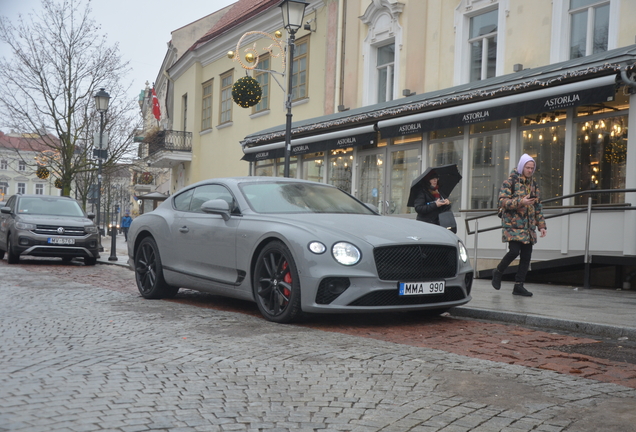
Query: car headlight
[[463, 253], [317, 247], [24, 226], [90, 229], [346, 253]]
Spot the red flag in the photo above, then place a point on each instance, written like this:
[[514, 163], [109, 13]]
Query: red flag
[[155, 105]]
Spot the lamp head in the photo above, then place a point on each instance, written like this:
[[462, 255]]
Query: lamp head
[[101, 100], [293, 14]]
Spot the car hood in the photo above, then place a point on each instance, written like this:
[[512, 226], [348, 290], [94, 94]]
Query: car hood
[[373, 229], [55, 220]]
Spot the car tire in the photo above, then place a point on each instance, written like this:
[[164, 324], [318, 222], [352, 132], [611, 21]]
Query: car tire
[[12, 257], [1, 254], [90, 261], [67, 260], [276, 284], [149, 272]]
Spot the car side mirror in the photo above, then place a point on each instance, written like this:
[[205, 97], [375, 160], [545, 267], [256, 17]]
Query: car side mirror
[[217, 206], [91, 216], [6, 210]]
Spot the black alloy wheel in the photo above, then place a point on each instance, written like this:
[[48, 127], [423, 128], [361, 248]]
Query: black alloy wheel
[[276, 284], [12, 256], [149, 272]]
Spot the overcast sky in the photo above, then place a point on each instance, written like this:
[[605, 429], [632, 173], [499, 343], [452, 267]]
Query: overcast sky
[[141, 27]]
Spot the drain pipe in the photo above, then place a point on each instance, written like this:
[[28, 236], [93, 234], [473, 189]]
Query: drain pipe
[[631, 83]]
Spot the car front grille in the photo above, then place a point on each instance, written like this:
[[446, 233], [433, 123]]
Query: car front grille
[[391, 298], [415, 263], [51, 230]]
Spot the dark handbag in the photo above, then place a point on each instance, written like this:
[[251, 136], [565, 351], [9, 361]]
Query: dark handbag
[[447, 220]]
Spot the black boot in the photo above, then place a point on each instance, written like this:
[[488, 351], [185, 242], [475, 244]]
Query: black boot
[[496, 279], [520, 290]]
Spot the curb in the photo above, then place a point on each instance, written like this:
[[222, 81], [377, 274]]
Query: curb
[[603, 330]]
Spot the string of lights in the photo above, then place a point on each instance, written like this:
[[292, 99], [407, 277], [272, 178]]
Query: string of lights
[[417, 106]]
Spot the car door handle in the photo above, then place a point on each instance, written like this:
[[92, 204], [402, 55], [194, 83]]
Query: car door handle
[[184, 229]]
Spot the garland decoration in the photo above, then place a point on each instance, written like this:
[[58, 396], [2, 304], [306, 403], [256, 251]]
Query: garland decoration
[[42, 172], [58, 183], [246, 92]]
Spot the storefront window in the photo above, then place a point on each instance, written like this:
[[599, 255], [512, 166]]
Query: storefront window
[[446, 133], [405, 167], [546, 144], [280, 167], [601, 154], [489, 164], [448, 152], [264, 168], [339, 174], [313, 165]]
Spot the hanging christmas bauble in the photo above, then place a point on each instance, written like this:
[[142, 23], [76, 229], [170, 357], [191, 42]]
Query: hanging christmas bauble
[[58, 183], [42, 173], [246, 92]]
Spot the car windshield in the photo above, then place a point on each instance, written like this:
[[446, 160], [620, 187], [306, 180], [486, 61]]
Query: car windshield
[[49, 207], [286, 197]]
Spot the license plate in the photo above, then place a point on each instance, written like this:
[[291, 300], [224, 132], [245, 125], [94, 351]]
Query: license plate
[[420, 288], [61, 241]]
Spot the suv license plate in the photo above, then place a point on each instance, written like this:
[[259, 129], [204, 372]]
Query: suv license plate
[[61, 241], [421, 288]]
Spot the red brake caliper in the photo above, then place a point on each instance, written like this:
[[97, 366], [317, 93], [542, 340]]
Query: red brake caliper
[[287, 279]]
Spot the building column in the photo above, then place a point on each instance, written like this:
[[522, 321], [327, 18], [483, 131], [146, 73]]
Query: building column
[[629, 228]]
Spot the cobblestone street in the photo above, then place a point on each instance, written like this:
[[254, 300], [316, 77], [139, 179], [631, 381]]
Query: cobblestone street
[[82, 351]]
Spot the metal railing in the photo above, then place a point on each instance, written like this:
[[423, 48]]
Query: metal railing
[[570, 210], [171, 140]]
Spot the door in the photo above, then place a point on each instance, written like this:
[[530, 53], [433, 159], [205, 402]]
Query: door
[[385, 175]]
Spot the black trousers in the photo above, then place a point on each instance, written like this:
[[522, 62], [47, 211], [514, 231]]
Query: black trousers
[[514, 249]]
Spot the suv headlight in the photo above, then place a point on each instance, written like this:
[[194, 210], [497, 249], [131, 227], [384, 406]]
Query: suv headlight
[[346, 253], [90, 229], [24, 226], [463, 253]]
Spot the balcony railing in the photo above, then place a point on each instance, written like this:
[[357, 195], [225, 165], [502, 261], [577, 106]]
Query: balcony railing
[[169, 140]]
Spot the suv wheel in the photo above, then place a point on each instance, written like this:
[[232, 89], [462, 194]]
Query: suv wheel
[[12, 257]]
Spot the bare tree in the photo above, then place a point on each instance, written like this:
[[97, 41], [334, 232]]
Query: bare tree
[[59, 62]]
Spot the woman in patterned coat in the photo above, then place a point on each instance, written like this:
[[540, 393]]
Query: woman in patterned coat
[[522, 215]]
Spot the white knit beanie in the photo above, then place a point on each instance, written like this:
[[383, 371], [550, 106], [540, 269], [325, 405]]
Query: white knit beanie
[[525, 158]]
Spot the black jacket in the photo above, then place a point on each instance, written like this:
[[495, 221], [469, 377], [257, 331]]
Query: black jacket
[[427, 210]]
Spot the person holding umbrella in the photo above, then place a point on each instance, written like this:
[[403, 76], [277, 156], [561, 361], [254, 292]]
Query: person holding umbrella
[[429, 195], [429, 203]]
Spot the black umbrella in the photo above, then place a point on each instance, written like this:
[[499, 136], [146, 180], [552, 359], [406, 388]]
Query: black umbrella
[[448, 175]]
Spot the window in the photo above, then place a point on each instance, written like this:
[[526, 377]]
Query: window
[[546, 144], [184, 100], [21, 188], [21, 166], [3, 164], [447, 147], [39, 189], [263, 79], [488, 148], [483, 45], [4, 190], [206, 193], [226, 97], [339, 173], [601, 157], [182, 201], [206, 106], [589, 27], [384, 33], [385, 74], [299, 77]]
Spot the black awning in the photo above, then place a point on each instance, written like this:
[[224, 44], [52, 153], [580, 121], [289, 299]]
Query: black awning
[[317, 143], [505, 110]]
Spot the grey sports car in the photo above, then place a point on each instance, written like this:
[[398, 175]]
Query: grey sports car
[[295, 247]]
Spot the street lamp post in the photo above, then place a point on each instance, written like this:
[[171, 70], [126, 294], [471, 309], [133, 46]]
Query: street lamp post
[[293, 14], [101, 103]]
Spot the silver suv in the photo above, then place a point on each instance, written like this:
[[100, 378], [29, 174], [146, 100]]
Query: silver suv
[[47, 226]]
